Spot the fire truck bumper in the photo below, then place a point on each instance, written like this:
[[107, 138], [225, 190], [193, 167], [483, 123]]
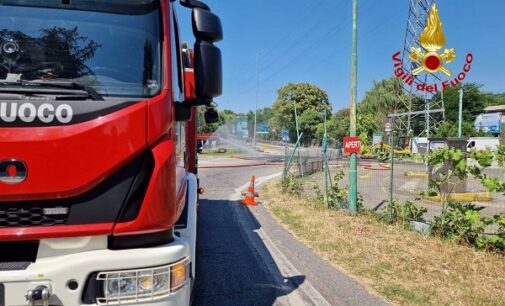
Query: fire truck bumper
[[157, 276]]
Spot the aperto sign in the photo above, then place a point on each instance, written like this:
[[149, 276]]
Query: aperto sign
[[431, 58], [352, 144]]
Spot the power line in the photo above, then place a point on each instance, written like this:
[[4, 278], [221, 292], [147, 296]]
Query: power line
[[306, 17], [305, 52], [298, 41], [308, 50]]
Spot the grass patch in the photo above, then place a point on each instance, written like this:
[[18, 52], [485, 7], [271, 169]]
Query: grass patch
[[404, 267]]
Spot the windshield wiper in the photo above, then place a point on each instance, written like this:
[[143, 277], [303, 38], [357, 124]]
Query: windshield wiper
[[63, 84], [66, 84]]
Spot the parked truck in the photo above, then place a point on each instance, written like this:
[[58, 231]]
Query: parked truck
[[98, 185]]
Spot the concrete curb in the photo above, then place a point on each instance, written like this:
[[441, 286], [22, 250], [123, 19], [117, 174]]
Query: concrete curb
[[421, 174], [463, 197]]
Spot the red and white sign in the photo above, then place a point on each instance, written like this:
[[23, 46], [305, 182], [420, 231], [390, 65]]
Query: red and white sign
[[387, 127], [352, 144]]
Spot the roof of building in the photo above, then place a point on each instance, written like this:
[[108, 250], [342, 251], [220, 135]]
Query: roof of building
[[496, 108]]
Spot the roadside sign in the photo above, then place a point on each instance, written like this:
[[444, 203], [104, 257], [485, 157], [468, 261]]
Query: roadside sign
[[285, 135], [242, 130], [377, 139], [352, 145], [387, 127], [262, 129]]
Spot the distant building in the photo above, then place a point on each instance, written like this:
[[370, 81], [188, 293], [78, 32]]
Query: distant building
[[495, 109]]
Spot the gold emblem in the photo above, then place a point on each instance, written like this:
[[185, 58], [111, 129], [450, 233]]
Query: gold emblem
[[432, 39]]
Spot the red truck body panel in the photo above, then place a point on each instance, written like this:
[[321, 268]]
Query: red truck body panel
[[67, 161]]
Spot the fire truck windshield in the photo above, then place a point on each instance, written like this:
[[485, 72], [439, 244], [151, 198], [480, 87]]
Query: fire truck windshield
[[116, 54]]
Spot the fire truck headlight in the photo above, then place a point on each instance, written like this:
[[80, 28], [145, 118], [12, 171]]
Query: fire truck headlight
[[120, 283], [142, 285]]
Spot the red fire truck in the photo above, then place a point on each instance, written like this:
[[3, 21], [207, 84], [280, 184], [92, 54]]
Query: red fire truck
[[98, 186]]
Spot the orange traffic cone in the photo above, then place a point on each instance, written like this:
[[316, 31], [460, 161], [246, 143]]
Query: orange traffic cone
[[250, 194]]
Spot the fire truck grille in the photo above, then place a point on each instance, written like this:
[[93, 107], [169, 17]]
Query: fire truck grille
[[33, 216]]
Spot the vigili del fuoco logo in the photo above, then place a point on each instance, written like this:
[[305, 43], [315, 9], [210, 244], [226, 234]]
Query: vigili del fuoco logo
[[431, 60]]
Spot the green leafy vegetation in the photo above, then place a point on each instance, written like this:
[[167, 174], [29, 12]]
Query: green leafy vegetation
[[402, 213], [403, 267], [463, 222], [384, 97], [310, 101], [291, 185]]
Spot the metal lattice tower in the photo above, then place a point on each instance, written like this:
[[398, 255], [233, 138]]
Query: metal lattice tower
[[420, 107]]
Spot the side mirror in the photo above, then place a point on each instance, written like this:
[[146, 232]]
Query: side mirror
[[211, 116], [207, 63], [195, 4], [206, 25], [208, 71]]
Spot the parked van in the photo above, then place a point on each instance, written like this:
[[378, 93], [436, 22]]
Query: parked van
[[483, 143]]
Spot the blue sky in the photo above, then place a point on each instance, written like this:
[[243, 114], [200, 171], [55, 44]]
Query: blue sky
[[310, 41]]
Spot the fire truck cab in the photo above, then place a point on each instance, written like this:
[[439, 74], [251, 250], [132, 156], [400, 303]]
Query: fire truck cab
[[98, 186]]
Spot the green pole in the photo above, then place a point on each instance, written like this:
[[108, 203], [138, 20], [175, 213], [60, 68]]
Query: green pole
[[353, 179], [290, 160], [298, 136], [391, 172], [325, 161], [296, 122], [460, 113]]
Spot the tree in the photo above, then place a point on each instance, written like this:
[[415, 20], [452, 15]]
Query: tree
[[262, 117], [307, 97], [474, 102], [382, 99], [492, 99], [340, 124], [365, 126], [65, 52], [448, 129], [226, 118], [309, 121]]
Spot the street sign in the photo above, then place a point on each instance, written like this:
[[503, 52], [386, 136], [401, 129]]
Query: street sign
[[387, 127], [376, 139], [242, 131], [262, 129], [285, 135], [352, 145]]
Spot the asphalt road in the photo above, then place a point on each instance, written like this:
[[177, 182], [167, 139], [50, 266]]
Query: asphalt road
[[245, 258]]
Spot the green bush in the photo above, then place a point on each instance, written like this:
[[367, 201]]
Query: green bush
[[464, 224], [291, 185], [338, 198], [403, 213]]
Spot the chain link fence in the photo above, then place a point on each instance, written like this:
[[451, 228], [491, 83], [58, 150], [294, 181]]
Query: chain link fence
[[406, 179]]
